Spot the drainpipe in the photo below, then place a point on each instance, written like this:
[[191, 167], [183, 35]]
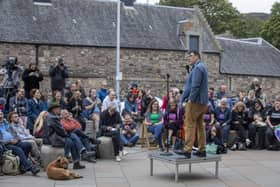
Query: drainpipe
[[37, 55]]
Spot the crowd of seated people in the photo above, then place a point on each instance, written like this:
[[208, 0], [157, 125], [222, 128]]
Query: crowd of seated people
[[248, 114], [33, 120]]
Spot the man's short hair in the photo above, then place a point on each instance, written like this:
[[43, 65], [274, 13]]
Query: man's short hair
[[10, 115], [196, 53], [112, 106]]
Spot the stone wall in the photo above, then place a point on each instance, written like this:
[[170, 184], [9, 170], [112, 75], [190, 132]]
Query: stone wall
[[147, 67]]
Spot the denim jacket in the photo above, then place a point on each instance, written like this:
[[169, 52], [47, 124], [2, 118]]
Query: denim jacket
[[196, 87]]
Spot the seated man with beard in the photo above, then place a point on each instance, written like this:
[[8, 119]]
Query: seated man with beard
[[23, 135], [21, 149]]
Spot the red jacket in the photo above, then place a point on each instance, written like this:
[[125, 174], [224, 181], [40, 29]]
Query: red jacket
[[70, 124]]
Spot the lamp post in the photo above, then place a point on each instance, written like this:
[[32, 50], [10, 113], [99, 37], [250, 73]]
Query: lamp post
[[118, 74]]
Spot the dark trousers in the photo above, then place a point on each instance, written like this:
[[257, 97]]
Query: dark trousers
[[253, 130], [1, 152], [270, 136], [241, 132], [116, 139], [22, 150]]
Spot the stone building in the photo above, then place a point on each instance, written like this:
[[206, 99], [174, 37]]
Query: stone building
[[244, 59], [154, 41]]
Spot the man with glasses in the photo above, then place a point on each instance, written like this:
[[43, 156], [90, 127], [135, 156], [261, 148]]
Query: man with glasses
[[196, 95]]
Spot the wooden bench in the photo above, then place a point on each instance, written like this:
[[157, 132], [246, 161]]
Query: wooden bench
[[181, 160]]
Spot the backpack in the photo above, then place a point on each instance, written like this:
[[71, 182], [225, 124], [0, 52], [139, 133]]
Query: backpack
[[10, 164]]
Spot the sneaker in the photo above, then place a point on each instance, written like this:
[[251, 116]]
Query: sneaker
[[86, 154], [200, 153], [77, 165], [153, 140], [233, 147], [186, 154], [123, 153], [241, 147], [69, 158], [248, 142], [34, 170], [118, 158], [91, 159], [130, 144], [179, 152]]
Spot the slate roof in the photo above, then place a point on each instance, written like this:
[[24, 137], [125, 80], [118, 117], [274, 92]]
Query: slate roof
[[252, 56], [93, 23]]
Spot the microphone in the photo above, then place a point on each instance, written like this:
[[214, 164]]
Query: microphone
[[188, 68]]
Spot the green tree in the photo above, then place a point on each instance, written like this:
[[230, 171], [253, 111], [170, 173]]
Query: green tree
[[222, 17], [220, 14], [271, 29], [246, 27], [275, 10]]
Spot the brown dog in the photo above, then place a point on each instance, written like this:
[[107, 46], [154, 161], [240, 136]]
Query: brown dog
[[58, 170]]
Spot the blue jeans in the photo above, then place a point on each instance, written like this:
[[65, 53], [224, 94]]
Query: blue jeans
[[22, 150], [129, 139], [83, 138], [71, 147], [157, 130], [1, 152]]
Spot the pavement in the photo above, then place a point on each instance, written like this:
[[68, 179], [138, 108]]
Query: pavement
[[237, 169]]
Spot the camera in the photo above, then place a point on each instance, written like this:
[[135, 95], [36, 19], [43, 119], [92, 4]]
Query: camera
[[10, 64], [60, 62]]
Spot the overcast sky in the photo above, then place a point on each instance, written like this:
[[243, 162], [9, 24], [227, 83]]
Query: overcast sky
[[244, 6]]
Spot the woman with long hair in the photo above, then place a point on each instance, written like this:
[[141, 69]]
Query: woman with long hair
[[34, 107], [154, 122], [40, 125], [239, 122], [31, 77]]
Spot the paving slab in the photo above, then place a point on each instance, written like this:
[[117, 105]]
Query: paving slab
[[237, 169]]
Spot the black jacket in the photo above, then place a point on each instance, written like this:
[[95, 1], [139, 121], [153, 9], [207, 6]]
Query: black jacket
[[106, 120], [58, 77], [57, 134], [31, 81]]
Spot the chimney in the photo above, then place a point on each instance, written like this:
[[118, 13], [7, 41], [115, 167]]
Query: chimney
[[128, 2]]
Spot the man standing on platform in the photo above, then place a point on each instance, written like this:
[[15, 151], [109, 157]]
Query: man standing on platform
[[196, 97]]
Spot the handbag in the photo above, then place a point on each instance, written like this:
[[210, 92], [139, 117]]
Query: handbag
[[211, 148], [10, 164]]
